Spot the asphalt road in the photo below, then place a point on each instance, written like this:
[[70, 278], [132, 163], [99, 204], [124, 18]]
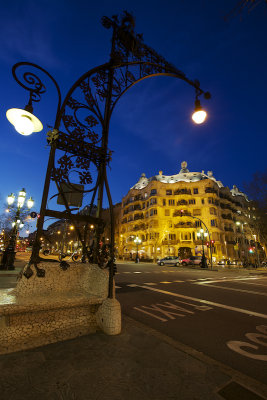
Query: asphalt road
[[222, 314]]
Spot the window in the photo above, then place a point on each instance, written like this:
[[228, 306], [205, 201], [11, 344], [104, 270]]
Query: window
[[195, 190], [196, 211], [197, 224], [153, 192], [167, 213], [202, 201], [213, 222], [192, 201], [213, 211], [171, 202], [172, 236], [143, 205], [169, 192], [153, 201], [186, 236], [164, 202], [153, 211]]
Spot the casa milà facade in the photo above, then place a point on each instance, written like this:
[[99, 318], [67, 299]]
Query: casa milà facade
[[167, 212]]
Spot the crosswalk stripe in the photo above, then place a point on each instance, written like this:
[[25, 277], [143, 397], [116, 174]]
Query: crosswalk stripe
[[165, 282]]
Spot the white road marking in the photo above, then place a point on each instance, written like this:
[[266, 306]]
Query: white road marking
[[165, 282], [152, 315], [254, 337], [132, 285], [137, 272], [234, 289], [150, 283], [227, 280], [178, 281], [117, 287], [236, 309]]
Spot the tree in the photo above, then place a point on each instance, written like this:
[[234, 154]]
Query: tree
[[257, 190], [243, 6]]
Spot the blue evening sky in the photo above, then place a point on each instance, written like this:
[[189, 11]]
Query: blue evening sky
[[151, 129]]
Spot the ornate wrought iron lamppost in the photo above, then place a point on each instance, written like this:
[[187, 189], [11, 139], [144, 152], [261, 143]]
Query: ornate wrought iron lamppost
[[203, 235], [81, 130], [137, 241], [9, 253]]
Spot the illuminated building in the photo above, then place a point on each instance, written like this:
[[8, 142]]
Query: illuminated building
[[167, 212]]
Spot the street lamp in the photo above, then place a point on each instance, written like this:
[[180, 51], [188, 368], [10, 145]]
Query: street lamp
[[199, 115], [8, 257], [203, 235], [137, 241], [81, 128]]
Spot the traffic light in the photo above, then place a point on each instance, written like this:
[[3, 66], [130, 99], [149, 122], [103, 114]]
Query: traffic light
[[33, 214], [212, 243], [251, 250]]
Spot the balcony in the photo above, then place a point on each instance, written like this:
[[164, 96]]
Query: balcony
[[170, 242], [184, 225], [178, 213], [182, 202], [138, 216], [227, 216], [210, 190], [182, 191]]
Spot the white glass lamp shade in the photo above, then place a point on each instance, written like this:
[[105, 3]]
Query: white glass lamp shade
[[201, 230], [13, 224], [198, 234], [21, 225], [21, 197], [205, 234], [10, 199], [137, 240], [30, 202], [24, 122]]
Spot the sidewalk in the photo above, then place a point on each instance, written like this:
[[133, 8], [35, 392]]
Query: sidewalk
[[138, 364]]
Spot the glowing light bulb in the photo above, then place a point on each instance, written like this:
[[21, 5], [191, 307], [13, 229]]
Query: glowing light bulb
[[199, 116], [24, 125]]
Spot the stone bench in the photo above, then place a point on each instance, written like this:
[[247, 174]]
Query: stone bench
[[60, 306]]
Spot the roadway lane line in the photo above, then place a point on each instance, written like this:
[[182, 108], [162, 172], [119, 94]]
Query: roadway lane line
[[150, 283], [211, 303], [233, 289]]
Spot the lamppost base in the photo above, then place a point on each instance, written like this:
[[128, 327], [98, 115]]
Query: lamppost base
[[7, 262], [7, 267]]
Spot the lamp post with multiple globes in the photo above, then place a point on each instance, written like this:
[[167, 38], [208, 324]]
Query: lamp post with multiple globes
[[137, 241], [8, 257]]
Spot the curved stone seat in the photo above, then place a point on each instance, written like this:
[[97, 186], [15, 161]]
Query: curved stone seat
[[60, 306]]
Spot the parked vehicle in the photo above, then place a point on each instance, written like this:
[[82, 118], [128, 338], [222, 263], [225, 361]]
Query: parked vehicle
[[170, 260], [194, 260]]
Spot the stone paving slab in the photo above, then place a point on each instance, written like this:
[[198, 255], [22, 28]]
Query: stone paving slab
[[132, 366], [135, 365]]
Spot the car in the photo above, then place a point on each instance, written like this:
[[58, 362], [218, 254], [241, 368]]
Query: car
[[194, 260], [170, 260]]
